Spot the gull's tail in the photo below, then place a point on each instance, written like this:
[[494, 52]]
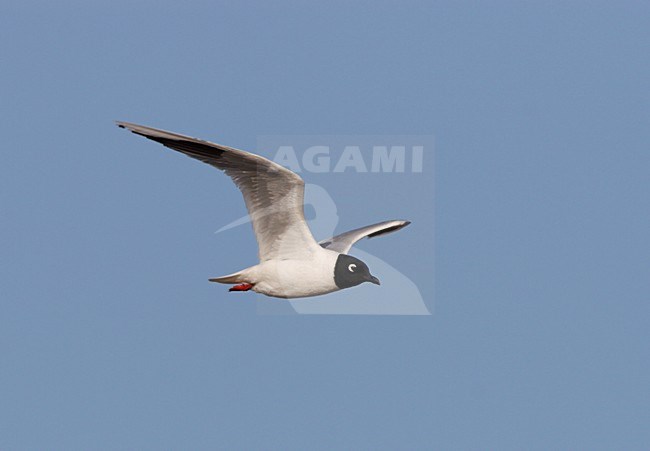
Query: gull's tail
[[230, 278]]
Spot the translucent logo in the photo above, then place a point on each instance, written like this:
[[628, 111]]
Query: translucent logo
[[377, 178]]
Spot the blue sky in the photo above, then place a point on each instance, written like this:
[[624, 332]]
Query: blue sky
[[110, 336]]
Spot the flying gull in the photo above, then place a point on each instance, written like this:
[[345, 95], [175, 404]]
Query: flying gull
[[292, 264]]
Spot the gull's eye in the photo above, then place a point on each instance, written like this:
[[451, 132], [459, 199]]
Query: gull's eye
[[351, 267]]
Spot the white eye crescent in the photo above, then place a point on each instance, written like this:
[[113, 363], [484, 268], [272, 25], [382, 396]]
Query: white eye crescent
[[351, 267]]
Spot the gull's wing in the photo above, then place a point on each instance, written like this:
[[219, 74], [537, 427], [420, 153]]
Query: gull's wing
[[274, 195], [343, 242]]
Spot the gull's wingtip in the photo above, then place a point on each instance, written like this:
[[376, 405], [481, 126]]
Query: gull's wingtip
[[388, 227], [403, 223], [150, 132], [400, 223], [122, 124]]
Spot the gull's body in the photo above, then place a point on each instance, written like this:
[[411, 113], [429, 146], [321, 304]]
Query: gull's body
[[294, 278], [292, 264]]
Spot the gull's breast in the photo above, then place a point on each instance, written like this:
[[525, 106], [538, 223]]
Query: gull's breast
[[297, 278]]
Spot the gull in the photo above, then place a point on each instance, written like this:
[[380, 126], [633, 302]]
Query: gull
[[292, 264]]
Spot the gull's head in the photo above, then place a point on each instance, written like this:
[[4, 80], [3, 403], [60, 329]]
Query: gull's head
[[350, 271]]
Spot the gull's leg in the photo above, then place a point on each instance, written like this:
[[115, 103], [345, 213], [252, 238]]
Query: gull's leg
[[241, 287]]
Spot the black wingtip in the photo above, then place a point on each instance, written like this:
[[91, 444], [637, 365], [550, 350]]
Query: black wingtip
[[389, 229]]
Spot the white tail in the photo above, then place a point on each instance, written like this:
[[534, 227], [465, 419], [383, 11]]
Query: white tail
[[231, 278]]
